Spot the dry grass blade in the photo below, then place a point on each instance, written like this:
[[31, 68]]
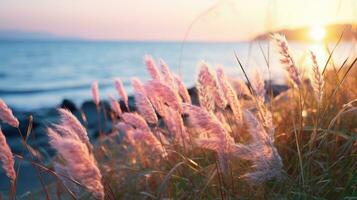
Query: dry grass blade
[[333, 50], [164, 183], [211, 177], [343, 64], [245, 74], [344, 76]]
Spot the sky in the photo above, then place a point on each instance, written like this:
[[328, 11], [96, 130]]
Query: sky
[[169, 20]]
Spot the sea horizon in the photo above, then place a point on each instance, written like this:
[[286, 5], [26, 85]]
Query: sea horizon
[[41, 73]]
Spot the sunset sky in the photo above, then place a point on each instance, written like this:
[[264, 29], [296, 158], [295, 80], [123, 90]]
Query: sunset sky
[[223, 20]]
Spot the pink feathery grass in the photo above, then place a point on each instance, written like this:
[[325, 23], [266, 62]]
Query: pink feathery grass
[[7, 158], [149, 138], [287, 60], [267, 120], [240, 87], [256, 130], [161, 137], [151, 67], [167, 75], [182, 90], [121, 91], [55, 137], [317, 79], [7, 116], [65, 131], [128, 130], [204, 94], [220, 147], [218, 139], [124, 127], [95, 93], [258, 86], [137, 131], [201, 119], [209, 91], [174, 124], [222, 119], [70, 121], [266, 161], [261, 151], [114, 104], [142, 102], [230, 95], [157, 104], [161, 92], [136, 121], [79, 162]]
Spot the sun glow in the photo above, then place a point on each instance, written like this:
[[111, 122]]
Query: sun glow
[[317, 33]]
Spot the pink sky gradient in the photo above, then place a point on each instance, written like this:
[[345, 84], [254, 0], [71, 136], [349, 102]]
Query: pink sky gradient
[[229, 20]]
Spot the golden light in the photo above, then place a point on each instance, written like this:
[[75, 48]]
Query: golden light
[[317, 33]]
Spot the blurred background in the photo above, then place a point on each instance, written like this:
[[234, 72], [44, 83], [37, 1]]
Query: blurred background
[[53, 50]]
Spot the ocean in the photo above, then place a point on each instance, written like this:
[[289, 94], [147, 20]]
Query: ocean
[[37, 74]]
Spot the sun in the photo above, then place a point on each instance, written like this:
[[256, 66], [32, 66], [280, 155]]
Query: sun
[[317, 33]]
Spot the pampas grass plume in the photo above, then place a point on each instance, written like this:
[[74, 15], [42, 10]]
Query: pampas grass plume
[[160, 91], [142, 102], [114, 104], [95, 93], [167, 75], [121, 91], [7, 158], [240, 87], [151, 67], [209, 90], [136, 121], [70, 121], [258, 86], [149, 138], [182, 90], [230, 95], [287, 60], [7, 116], [80, 163], [317, 78]]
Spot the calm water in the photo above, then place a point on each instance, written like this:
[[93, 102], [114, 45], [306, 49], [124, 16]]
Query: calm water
[[37, 74]]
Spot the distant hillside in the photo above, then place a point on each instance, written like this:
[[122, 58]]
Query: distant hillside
[[333, 32], [24, 35]]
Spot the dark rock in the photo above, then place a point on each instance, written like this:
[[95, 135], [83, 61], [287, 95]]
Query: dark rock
[[194, 95], [9, 132], [94, 118], [88, 106], [131, 102], [277, 89], [68, 105]]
